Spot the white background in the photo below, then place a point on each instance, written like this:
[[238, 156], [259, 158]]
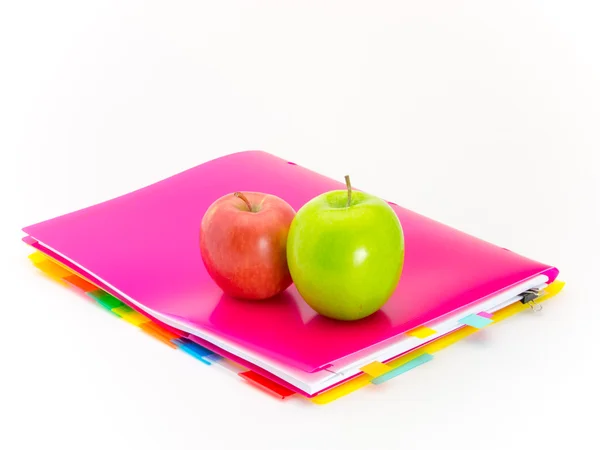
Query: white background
[[484, 115]]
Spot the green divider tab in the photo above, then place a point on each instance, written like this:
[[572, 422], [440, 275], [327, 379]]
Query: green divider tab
[[105, 299]]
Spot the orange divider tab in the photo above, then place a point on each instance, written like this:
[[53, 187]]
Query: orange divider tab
[[80, 283], [376, 369], [159, 329], [151, 329], [160, 333], [266, 384], [421, 332]]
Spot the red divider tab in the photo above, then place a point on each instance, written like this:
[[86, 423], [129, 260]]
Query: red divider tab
[[266, 384]]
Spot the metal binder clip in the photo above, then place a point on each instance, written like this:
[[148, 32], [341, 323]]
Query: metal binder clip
[[529, 297], [535, 307]]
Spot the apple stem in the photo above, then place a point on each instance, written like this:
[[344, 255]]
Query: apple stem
[[347, 178], [245, 199]]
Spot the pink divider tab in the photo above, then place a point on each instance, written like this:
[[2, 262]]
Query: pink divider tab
[[484, 314], [29, 240]]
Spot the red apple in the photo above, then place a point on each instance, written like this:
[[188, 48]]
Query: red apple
[[243, 239]]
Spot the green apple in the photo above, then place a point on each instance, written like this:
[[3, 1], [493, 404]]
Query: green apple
[[345, 253]]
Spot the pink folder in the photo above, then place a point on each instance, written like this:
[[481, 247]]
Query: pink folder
[[145, 245]]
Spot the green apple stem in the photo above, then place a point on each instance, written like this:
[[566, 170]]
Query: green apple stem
[[245, 199], [349, 186]]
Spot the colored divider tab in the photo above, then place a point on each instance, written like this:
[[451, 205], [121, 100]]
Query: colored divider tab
[[341, 390], [403, 368], [193, 349], [123, 309], [37, 258], [376, 369], [361, 381], [80, 283], [191, 352], [475, 321], [52, 269], [135, 318], [449, 339], [162, 334], [485, 314], [150, 331], [29, 241], [266, 384], [421, 332], [213, 357], [105, 299], [130, 315]]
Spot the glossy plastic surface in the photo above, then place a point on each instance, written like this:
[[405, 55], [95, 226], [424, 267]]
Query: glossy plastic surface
[[145, 244]]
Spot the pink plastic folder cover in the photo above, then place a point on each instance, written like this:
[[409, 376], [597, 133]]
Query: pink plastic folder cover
[[146, 245]]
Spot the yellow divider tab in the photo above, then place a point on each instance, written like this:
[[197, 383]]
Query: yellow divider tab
[[131, 316], [376, 369], [37, 257], [449, 339], [52, 269], [421, 332], [342, 390]]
